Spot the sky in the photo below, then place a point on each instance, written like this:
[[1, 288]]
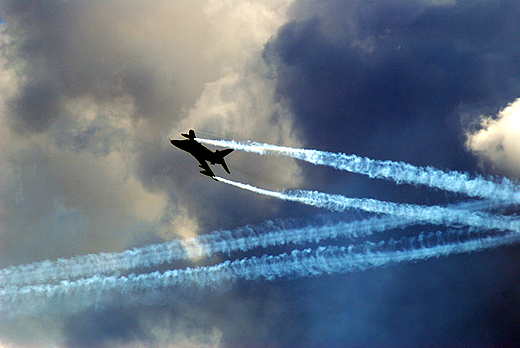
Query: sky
[[91, 92]]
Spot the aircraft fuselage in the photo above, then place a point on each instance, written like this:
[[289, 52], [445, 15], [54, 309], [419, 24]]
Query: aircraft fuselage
[[202, 153], [196, 149]]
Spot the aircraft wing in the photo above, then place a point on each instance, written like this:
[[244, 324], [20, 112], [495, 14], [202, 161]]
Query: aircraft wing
[[206, 170]]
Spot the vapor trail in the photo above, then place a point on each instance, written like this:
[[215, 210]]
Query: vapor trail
[[225, 242], [299, 263], [419, 213], [398, 172]]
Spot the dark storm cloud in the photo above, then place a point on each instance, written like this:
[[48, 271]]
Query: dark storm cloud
[[107, 77], [102, 327], [35, 36], [402, 80], [69, 50], [37, 107], [79, 78], [144, 66], [386, 79], [59, 61]]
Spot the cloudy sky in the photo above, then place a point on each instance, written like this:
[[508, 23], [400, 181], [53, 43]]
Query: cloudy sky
[[91, 91]]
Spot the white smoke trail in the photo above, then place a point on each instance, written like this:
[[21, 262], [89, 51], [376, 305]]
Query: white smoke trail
[[299, 263], [226, 242], [89, 279], [419, 213], [398, 172]]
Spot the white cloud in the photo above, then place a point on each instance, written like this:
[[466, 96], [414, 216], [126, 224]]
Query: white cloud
[[241, 28], [241, 104], [497, 142]]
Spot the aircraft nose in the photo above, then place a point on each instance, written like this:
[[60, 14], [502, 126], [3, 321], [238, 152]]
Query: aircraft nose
[[177, 143]]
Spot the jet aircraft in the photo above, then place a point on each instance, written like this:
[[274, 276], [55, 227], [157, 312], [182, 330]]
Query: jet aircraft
[[202, 153]]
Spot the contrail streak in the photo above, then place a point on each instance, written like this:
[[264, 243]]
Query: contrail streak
[[225, 242], [88, 280], [398, 172], [299, 263], [419, 213]]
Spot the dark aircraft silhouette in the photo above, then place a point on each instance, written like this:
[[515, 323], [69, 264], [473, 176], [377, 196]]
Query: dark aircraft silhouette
[[202, 153]]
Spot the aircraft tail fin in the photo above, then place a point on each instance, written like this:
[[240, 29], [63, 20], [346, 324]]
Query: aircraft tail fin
[[225, 152], [222, 154], [190, 135]]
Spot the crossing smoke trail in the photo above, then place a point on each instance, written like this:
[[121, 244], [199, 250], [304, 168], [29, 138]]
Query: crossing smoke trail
[[398, 172], [89, 277], [224, 242], [94, 288], [245, 239], [426, 214], [299, 263], [83, 281]]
